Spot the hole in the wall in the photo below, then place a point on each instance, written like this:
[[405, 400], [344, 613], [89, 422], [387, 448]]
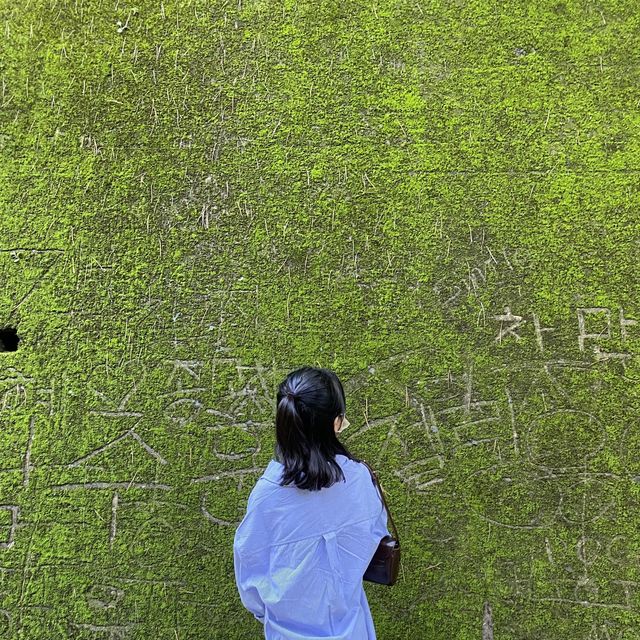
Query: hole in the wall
[[9, 339]]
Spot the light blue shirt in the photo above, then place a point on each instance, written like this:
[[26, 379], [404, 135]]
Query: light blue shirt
[[299, 555]]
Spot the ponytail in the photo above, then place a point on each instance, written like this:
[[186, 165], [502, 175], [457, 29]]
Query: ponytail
[[308, 401]]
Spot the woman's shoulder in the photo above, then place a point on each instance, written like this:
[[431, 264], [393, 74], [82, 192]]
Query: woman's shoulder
[[356, 462], [354, 466]]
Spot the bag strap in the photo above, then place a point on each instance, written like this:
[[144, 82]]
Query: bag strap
[[375, 481]]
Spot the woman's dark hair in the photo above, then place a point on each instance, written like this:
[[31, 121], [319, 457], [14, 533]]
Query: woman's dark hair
[[308, 401]]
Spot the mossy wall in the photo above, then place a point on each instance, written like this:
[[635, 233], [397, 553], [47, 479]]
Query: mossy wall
[[437, 199]]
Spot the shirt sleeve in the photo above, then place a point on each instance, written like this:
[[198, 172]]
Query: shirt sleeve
[[246, 578], [380, 524]]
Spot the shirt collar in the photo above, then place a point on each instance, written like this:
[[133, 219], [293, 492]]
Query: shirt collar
[[273, 472]]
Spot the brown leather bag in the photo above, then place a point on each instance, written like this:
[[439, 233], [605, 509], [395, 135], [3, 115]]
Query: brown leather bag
[[385, 563]]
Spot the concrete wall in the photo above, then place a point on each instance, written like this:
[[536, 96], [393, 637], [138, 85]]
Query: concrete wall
[[436, 199]]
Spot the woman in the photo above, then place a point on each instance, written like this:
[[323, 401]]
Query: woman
[[314, 520]]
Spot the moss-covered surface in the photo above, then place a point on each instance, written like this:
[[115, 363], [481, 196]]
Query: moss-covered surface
[[437, 199]]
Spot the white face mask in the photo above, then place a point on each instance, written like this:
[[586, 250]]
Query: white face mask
[[344, 425]]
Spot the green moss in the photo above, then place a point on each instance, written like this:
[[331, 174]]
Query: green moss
[[195, 205]]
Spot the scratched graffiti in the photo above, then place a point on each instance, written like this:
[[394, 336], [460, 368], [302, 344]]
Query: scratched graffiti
[[519, 447], [540, 443], [122, 485]]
